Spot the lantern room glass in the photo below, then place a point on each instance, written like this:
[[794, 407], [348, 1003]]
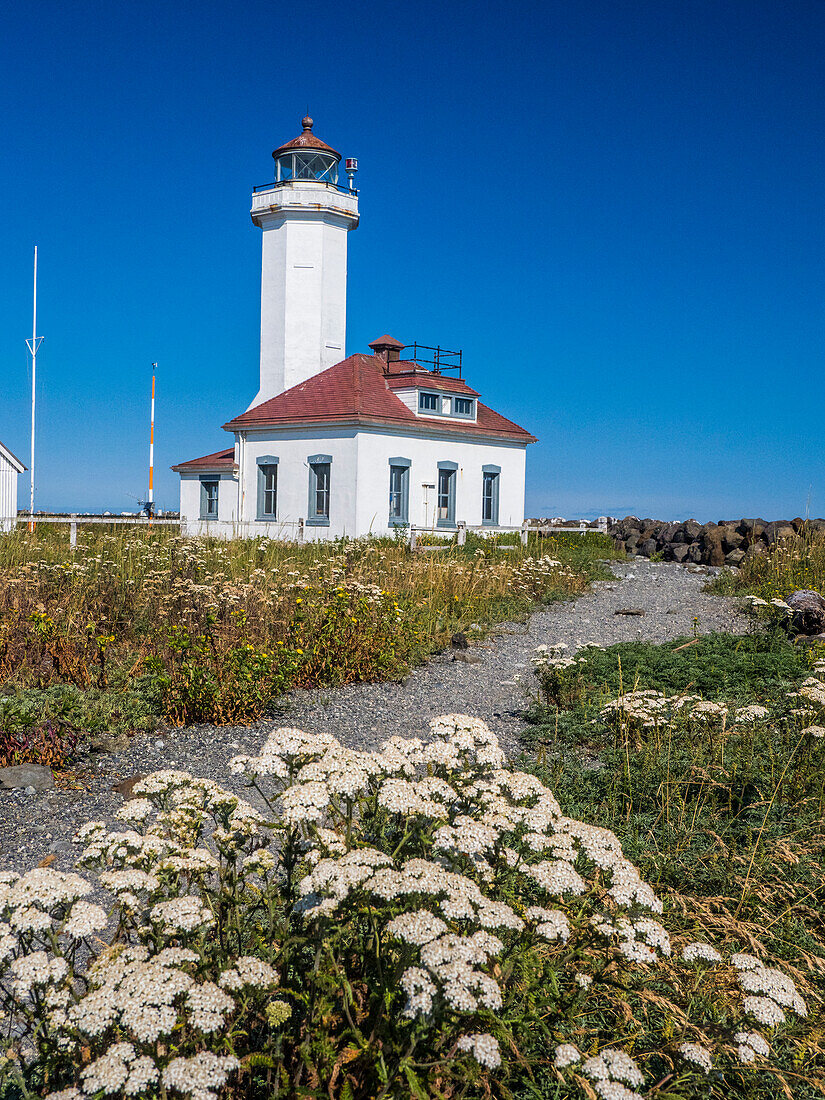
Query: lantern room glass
[[306, 165]]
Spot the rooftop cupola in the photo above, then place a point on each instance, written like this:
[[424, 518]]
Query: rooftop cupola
[[306, 157], [388, 348]]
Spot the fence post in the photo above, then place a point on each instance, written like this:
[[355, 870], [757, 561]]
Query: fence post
[[524, 532], [412, 538], [300, 530], [461, 536], [73, 531]]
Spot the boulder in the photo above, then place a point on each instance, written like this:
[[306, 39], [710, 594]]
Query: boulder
[[678, 551], [26, 775], [732, 540], [751, 527], [798, 524], [808, 611], [712, 542], [649, 547], [778, 530], [735, 558], [694, 554], [692, 530]]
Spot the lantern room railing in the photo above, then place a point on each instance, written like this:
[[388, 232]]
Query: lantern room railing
[[273, 185]]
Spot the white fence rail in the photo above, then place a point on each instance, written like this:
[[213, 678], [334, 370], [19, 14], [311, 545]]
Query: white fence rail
[[120, 521]]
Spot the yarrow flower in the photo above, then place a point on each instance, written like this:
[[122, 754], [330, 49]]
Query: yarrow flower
[[483, 1047], [699, 1055]]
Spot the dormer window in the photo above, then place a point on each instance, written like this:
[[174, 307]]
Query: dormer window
[[429, 402], [463, 406]]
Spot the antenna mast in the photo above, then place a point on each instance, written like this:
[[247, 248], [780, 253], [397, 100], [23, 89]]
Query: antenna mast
[[150, 503], [33, 345]]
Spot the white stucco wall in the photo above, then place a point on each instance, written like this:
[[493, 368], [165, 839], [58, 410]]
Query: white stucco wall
[[190, 505], [359, 483], [376, 448], [303, 281]]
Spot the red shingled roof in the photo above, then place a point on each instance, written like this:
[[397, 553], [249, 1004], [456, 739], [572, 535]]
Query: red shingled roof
[[356, 391], [218, 460]]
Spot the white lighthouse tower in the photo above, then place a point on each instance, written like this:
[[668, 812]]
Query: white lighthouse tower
[[305, 215]]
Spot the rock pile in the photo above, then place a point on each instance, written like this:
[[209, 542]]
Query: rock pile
[[728, 542]]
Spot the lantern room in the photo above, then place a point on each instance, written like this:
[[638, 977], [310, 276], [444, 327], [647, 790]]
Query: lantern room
[[306, 157]]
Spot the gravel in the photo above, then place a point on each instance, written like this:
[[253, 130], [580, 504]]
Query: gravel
[[40, 825]]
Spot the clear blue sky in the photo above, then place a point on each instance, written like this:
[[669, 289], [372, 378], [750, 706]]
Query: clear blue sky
[[615, 209]]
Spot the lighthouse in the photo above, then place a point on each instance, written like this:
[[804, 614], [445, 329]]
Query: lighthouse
[[305, 215]]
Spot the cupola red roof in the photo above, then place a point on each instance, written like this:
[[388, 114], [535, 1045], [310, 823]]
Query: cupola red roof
[[306, 140], [385, 341]]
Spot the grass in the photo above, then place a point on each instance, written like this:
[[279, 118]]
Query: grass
[[724, 819], [133, 628], [789, 565]]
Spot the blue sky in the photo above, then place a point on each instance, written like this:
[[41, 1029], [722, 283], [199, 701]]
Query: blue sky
[[614, 209]]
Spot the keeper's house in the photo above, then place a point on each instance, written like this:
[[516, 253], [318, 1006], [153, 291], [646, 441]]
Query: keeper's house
[[337, 446], [10, 467]]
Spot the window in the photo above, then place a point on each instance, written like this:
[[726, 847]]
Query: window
[[209, 498], [399, 492], [463, 406], [489, 495], [445, 504], [320, 467], [429, 402], [267, 487]]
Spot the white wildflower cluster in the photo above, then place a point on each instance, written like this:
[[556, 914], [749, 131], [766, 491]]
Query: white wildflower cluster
[[753, 712], [553, 657], [768, 992], [814, 690], [483, 1047], [650, 709], [750, 1045], [611, 1071], [695, 952], [697, 1054]]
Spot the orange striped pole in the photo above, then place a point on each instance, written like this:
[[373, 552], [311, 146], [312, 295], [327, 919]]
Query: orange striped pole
[[151, 500]]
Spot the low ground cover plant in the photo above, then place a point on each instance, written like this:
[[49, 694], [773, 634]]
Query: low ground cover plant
[[419, 921], [706, 757], [141, 627]]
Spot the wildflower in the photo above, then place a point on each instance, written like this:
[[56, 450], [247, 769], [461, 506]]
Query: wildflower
[[203, 1075], [699, 1055], [695, 951], [566, 1055], [184, 914], [483, 1047], [84, 919]]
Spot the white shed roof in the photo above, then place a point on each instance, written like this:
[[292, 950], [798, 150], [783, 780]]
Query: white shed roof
[[15, 462]]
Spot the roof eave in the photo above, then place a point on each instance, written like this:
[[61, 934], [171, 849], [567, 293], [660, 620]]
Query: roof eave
[[415, 424]]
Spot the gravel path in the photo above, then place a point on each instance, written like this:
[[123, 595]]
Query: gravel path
[[363, 715]]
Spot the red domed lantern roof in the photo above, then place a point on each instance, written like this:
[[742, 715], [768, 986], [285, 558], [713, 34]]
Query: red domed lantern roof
[[306, 140]]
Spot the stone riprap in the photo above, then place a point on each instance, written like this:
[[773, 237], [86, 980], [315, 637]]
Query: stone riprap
[[728, 542]]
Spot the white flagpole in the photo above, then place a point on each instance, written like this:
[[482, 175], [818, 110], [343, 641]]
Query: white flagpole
[[33, 345]]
